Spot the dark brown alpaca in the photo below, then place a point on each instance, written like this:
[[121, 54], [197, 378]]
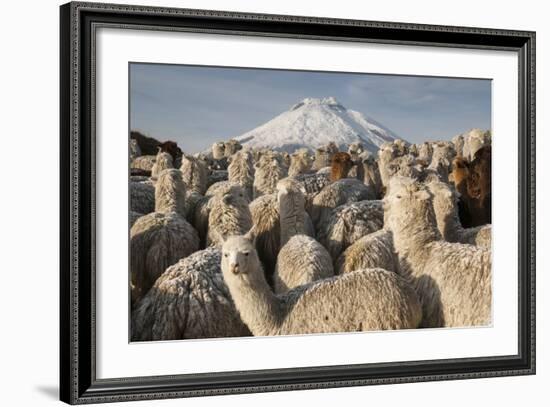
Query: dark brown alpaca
[[479, 187], [461, 172], [473, 181], [340, 166], [171, 147]]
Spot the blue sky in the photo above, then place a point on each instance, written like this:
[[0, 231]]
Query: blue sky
[[197, 105]]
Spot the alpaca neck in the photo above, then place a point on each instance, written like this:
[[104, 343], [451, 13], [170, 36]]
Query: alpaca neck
[[449, 225], [291, 216], [258, 307], [337, 172], [170, 198], [413, 234], [460, 178]]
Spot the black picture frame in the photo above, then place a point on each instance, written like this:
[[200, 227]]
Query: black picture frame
[[78, 382]]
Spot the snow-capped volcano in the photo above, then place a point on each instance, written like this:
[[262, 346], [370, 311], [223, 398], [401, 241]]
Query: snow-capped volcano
[[312, 123]]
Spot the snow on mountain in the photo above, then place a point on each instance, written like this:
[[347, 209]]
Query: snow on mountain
[[316, 122]]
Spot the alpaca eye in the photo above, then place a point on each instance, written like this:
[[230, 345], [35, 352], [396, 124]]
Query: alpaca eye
[[398, 196], [225, 255], [246, 253]]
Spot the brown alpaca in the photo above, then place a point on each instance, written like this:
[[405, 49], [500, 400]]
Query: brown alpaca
[[171, 147], [473, 181], [341, 164], [479, 187]]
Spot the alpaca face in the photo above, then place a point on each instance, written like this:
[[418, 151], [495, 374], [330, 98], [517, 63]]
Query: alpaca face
[[239, 257], [343, 161], [444, 196], [405, 201]]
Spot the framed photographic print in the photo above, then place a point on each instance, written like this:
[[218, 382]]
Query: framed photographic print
[[255, 203]]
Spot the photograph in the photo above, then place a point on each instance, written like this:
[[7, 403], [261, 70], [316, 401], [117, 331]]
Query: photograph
[[269, 202]]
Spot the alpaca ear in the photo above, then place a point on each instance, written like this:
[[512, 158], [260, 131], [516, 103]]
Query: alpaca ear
[[251, 235]]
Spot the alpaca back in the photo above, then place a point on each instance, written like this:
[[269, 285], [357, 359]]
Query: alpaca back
[[189, 301], [338, 193], [364, 300], [374, 250], [143, 162], [300, 261], [142, 197], [158, 240], [348, 223]]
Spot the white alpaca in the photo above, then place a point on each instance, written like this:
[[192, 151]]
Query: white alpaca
[[458, 142], [195, 174], [231, 147], [188, 301], [453, 280], [425, 152], [241, 170], [442, 158], [302, 259], [218, 150], [229, 215], [374, 250], [266, 221], [323, 156], [372, 299], [163, 161], [269, 170], [338, 193], [135, 151], [300, 162], [143, 162], [349, 223], [371, 175], [142, 196], [474, 140], [161, 238], [446, 214], [355, 150], [215, 176]]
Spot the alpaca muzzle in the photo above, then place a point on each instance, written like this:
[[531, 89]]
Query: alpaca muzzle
[[234, 268]]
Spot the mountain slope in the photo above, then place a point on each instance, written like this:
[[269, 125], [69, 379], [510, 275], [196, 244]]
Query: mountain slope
[[316, 122]]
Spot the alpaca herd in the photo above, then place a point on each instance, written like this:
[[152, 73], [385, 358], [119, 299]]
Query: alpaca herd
[[239, 241]]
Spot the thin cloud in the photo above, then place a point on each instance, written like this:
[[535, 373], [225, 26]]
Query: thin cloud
[[197, 106]]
